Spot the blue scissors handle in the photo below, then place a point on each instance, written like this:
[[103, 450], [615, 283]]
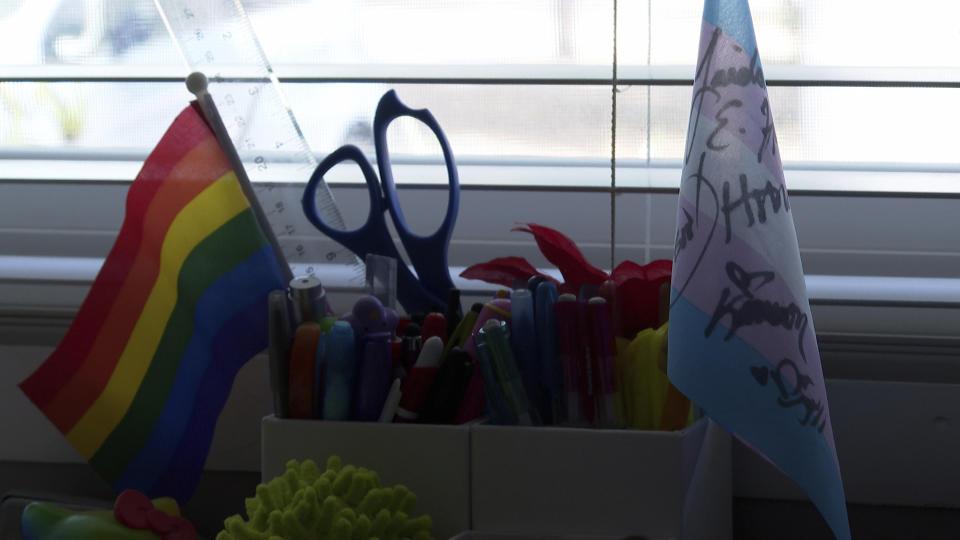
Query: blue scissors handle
[[428, 254], [371, 237]]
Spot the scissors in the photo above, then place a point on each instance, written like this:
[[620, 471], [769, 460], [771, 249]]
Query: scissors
[[428, 289]]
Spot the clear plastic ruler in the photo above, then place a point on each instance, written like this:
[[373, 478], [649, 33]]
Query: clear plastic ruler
[[215, 37]]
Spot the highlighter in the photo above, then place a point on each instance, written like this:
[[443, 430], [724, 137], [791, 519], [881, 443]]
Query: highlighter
[[339, 372], [546, 324], [302, 364], [602, 356], [422, 375], [473, 401]]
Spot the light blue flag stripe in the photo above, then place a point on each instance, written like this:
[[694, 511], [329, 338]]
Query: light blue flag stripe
[[716, 374], [733, 17]]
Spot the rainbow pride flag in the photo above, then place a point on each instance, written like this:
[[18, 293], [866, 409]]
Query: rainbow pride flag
[[180, 304]]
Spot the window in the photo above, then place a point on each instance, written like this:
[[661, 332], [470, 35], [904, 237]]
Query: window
[[523, 91]]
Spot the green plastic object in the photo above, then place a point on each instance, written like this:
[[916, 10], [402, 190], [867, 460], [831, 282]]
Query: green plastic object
[[341, 503]]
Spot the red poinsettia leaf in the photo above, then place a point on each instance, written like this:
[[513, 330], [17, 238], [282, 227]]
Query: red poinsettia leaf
[[653, 270], [503, 271], [565, 255], [639, 302]]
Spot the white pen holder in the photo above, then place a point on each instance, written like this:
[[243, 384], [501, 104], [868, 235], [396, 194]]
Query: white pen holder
[[558, 481]]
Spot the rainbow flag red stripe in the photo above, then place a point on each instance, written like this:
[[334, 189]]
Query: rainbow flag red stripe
[[177, 308]]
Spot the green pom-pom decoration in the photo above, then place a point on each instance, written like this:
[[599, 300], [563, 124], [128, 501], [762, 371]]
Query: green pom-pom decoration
[[342, 502]]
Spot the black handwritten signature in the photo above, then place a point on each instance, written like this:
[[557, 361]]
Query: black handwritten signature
[[776, 194], [815, 412], [722, 77], [685, 234], [745, 309]]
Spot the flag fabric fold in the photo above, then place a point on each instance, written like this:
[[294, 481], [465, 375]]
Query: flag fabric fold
[[742, 343], [179, 305]]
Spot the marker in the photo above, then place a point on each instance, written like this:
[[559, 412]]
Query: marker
[[608, 290], [550, 374], [418, 382], [445, 394], [278, 351], [434, 324], [523, 341], [602, 354], [390, 404], [339, 373], [495, 336], [535, 282], [567, 314], [473, 401], [302, 364], [498, 410]]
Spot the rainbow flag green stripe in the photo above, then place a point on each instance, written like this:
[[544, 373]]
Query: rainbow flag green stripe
[[224, 249], [179, 306]]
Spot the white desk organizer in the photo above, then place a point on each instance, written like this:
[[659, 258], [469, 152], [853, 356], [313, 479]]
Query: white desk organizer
[[433, 461], [564, 481], [540, 482]]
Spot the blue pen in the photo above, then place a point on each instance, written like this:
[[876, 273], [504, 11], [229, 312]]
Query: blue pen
[[523, 339], [339, 373], [546, 323]]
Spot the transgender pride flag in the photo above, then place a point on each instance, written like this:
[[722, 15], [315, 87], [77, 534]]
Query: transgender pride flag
[[741, 340]]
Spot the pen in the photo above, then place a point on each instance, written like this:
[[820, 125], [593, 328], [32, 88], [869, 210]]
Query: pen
[[390, 404], [523, 340], [567, 315], [445, 394], [550, 376], [461, 333], [278, 351], [454, 312], [339, 373], [422, 375], [602, 350], [473, 400], [495, 336], [585, 358], [302, 364], [411, 342]]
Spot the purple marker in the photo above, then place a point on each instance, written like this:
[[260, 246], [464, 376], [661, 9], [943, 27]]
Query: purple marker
[[602, 357], [374, 325]]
